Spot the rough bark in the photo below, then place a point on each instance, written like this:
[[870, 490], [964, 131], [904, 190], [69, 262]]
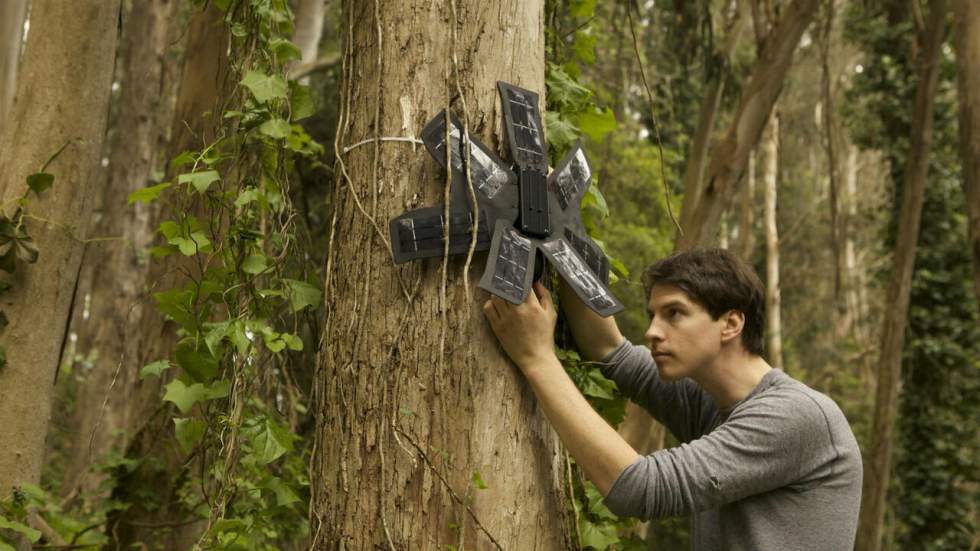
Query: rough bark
[[111, 401], [774, 335], [967, 42], [878, 458], [64, 87], [730, 157], [12, 13], [403, 423]]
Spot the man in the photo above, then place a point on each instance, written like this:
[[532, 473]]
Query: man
[[766, 463]]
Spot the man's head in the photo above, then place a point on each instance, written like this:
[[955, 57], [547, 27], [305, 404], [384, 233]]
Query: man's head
[[727, 292]]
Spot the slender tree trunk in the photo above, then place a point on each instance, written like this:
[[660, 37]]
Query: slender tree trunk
[[64, 97], [111, 400], [878, 459], [967, 40], [405, 423], [730, 157], [697, 158], [203, 83], [853, 283], [746, 211], [774, 335], [12, 13], [830, 145], [309, 28]]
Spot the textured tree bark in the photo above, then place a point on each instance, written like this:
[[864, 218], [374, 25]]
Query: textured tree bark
[[878, 458], [730, 157], [967, 42], [64, 90], [12, 13], [774, 334], [403, 421], [111, 401]]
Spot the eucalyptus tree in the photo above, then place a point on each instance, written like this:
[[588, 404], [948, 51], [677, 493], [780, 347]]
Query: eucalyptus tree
[[426, 436], [55, 137]]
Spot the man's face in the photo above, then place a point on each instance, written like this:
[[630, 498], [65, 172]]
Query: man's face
[[682, 335]]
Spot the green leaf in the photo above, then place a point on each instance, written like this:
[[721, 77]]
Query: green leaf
[[275, 128], [40, 181], [265, 87], [302, 294], [284, 494], [581, 8], [196, 360], [188, 432], [200, 180], [148, 194], [285, 50], [478, 481], [177, 303], [594, 202], [154, 369], [31, 534], [271, 442], [254, 264], [184, 158], [598, 536], [292, 341], [561, 133], [300, 102], [184, 396], [584, 47], [596, 124]]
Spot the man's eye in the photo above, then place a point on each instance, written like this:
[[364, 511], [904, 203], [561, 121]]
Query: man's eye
[[673, 313]]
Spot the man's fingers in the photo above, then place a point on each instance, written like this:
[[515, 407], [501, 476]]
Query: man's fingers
[[543, 295]]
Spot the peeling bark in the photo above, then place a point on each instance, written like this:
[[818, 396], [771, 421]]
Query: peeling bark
[[403, 425], [878, 458], [64, 97]]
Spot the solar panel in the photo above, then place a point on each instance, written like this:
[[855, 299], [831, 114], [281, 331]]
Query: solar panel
[[510, 264], [419, 234], [578, 275], [572, 177], [524, 130]]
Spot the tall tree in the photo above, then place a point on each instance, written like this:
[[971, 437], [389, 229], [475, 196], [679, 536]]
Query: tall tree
[[878, 459], [967, 41], [701, 215], [418, 410], [58, 125], [111, 402], [12, 14], [774, 335]]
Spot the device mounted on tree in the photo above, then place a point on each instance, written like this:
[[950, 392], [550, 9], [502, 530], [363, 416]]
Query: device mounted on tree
[[522, 209]]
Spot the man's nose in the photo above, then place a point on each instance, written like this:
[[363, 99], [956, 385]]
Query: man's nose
[[654, 333]]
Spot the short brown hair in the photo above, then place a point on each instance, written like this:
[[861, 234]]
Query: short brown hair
[[720, 282]]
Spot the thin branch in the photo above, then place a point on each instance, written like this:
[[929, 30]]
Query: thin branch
[[315, 66]]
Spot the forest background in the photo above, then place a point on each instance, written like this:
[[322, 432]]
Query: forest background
[[204, 342]]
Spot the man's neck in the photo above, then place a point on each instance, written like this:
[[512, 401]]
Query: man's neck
[[732, 376]]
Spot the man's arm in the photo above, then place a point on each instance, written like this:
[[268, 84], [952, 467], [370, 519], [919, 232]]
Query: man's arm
[[526, 332], [595, 335]]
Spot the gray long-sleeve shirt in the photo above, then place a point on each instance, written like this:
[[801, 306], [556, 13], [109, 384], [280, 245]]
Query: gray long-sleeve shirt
[[780, 470]]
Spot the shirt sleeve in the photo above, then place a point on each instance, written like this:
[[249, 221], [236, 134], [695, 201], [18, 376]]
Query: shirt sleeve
[[767, 444], [682, 406]]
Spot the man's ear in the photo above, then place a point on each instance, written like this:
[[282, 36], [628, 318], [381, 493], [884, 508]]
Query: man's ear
[[733, 322]]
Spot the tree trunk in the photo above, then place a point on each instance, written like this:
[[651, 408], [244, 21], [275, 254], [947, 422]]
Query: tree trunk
[[697, 158], [12, 13], [111, 400], [878, 459], [967, 40], [730, 157], [64, 90], [406, 427], [202, 84], [746, 220], [774, 336], [309, 28]]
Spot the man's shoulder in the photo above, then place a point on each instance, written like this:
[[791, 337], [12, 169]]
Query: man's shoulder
[[795, 404]]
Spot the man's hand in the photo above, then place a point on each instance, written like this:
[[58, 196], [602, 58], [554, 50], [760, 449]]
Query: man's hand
[[526, 331]]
